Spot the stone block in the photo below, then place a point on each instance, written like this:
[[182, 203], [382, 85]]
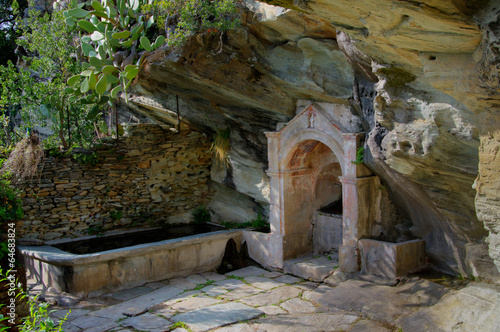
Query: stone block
[[391, 260]]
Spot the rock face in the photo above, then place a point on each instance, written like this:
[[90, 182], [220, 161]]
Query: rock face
[[422, 76]]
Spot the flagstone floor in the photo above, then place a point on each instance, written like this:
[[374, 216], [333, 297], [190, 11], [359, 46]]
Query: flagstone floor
[[254, 299]]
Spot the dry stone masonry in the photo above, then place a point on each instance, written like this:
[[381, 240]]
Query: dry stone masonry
[[152, 176]]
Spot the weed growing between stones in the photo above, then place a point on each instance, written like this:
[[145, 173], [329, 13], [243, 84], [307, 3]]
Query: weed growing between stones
[[38, 317], [200, 286], [201, 215], [359, 156], [180, 325]]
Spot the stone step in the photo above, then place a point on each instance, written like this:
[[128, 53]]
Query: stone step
[[313, 268]]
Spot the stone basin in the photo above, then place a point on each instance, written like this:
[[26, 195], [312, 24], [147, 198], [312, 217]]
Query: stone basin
[[392, 260]]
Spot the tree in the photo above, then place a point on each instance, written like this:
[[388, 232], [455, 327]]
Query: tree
[[10, 11]]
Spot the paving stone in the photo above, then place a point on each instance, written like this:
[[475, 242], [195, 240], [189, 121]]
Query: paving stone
[[272, 310], [241, 327], [137, 305], [272, 297], [312, 268], [194, 303], [214, 290], [247, 272], [75, 313], [473, 308], [167, 313], [368, 325], [263, 283], [196, 279], [307, 322], [308, 285], [272, 274], [217, 315], [182, 297], [240, 293], [128, 294], [88, 323], [379, 303], [298, 306], [147, 322], [230, 283], [288, 279], [179, 329], [182, 283], [68, 327], [155, 284], [213, 276]]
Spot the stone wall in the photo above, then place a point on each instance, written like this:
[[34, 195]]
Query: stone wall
[[153, 176]]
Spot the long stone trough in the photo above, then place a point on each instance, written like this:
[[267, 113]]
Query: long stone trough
[[129, 266]]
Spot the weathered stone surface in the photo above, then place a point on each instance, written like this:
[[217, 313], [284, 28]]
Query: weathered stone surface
[[298, 306], [287, 279], [130, 293], [273, 297], [272, 310], [194, 303], [230, 283], [380, 303], [305, 322], [182, 283], [427, 103], [147, 322], [236, 328], [241, 292], [212, 276], [196, 279], [263, 283], [473, 308], [368, 325], [217, 315], [314, 269], [247, 272], [214, 290], [137, 305]]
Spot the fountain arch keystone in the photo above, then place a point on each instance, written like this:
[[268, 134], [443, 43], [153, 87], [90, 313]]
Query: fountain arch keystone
[[292, 181]]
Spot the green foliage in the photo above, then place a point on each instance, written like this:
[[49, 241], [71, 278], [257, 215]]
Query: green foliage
[[200, 286], [359, 156], [181, 325], [97, 230], [11, 207], [183, 19], [258, 223], [110, 28], [116, 214], [38, 319], [86, 158], [201, 215]]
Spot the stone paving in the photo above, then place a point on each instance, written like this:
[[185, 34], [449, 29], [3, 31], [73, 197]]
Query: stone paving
[[253, 299]]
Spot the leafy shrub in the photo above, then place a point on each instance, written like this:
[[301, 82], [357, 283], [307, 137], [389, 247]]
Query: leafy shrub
[[11, 207], [184, 18], [201, 215], [38, 318]]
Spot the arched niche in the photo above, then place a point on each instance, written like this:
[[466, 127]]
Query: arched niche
[[310, 165]]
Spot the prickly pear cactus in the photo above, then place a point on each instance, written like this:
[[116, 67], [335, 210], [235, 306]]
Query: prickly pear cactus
[[113, 32]]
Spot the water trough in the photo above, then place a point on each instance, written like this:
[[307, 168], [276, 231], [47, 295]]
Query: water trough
[[129, 266]]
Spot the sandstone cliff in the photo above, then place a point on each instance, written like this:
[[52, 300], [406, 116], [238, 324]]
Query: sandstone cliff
[[422, 76]]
